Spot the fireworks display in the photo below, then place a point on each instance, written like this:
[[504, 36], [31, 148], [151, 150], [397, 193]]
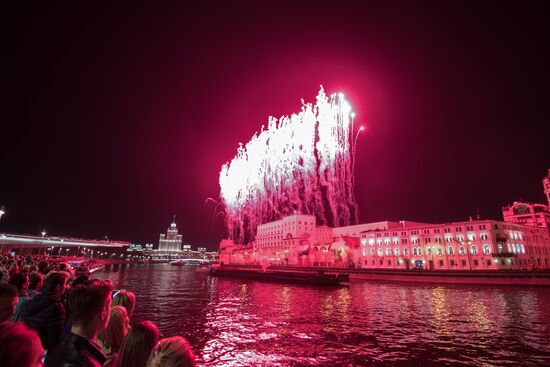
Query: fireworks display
[[302, 163]]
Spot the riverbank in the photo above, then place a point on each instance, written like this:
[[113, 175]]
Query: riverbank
[[475, 277]]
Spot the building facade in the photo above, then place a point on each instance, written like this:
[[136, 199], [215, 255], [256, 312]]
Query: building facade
[[290, 240], [521, 241], [170, 243], [471, 245], [537, 215]]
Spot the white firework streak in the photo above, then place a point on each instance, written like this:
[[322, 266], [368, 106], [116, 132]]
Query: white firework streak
[[302, 163]]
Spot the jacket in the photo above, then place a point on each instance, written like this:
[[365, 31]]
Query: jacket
[[46, 314], [76, 351]]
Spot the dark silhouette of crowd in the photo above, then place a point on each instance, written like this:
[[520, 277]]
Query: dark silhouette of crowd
[[50, 316]]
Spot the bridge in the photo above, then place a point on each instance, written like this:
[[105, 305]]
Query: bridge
[[22, 242], [189, 261]]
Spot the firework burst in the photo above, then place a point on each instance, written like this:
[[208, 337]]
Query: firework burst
[[300, 163]]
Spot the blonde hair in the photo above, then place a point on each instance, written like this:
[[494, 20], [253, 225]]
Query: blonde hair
[[126, 299], [118, 327], [172, 352]]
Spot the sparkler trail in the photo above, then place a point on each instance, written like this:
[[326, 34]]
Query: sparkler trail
[[302, 163]]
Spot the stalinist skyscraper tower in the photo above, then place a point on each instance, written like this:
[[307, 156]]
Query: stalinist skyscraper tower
[[170, 243]]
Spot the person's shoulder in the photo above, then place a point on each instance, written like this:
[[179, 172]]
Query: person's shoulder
[[64, 355]]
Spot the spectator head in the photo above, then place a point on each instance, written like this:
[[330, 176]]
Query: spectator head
[[113, 336], [20, 281], [19, 346], [127, 299], [138, 345], [79, 279], [55, 282], [172, 352], [8, 301], [36, 281], [90, 304], [43, 266]]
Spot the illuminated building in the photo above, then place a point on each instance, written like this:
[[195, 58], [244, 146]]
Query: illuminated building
[[530, 214], [521, 241], [471, 245], [170, 243], [290, 240]]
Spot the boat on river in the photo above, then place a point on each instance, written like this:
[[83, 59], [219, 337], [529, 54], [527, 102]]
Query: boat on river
[[318, 278], [186, 262]]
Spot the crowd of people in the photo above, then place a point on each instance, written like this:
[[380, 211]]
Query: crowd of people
[[54, 318]]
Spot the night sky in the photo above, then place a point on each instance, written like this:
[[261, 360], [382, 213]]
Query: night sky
[[117, 117]]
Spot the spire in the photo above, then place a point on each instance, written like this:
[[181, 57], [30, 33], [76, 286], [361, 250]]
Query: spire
[[173, 225]]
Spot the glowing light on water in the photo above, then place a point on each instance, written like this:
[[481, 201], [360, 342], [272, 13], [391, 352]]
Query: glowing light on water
[[302, 163]]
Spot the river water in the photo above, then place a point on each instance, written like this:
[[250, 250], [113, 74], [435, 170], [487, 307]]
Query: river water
[[233, 322]]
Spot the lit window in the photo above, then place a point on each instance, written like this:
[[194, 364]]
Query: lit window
[[486, 249]]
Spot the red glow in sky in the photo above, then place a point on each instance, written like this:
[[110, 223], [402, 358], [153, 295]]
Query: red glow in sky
[[116, 120]]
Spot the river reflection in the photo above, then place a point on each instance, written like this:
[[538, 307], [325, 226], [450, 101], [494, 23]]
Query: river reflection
[[234, 322]]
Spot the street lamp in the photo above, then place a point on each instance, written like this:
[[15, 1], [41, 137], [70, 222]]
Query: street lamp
[[43, 235], [2, 211]]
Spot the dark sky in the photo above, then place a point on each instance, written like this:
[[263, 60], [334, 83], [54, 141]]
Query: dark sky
[[116, 117]]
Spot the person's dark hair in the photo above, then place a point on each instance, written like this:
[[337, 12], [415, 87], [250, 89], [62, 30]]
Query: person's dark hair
[[53, 279], [19, 345], [87, 299], [43, 266], [18, 280], [8, 290], [79, 280], [138, 345], [34, 280]]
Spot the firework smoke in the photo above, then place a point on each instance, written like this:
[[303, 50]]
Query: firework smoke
[[302, 163]]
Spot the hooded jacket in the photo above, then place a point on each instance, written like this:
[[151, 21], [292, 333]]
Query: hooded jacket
[[46, 314]]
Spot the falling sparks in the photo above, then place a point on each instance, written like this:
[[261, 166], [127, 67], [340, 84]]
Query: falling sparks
[[302, 163]]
